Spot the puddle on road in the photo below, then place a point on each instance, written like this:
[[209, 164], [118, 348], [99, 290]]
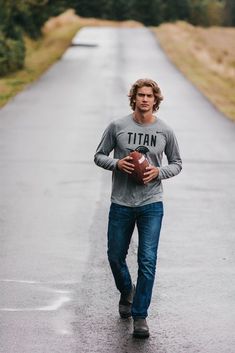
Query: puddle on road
[[33, 297]]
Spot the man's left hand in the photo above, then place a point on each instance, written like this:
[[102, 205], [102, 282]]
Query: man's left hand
[[151, 173]]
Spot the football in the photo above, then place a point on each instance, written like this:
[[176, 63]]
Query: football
[[140, 162]]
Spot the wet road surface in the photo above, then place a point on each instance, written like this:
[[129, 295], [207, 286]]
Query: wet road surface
[[57, 292]]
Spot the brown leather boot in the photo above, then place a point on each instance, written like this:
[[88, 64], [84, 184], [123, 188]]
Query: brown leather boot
[[125, 304], [141, 329]]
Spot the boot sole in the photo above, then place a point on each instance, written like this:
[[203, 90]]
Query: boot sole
[[138, 334]]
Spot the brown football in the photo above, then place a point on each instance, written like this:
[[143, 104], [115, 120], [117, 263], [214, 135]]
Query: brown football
[[140, 162]]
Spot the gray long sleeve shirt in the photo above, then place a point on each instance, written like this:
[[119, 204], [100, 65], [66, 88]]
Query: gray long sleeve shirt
[[126, 134]]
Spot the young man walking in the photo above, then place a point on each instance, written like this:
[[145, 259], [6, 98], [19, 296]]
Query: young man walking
[[135, 204]]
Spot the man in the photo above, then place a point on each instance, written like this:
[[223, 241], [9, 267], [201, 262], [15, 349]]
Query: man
[[135, 204]]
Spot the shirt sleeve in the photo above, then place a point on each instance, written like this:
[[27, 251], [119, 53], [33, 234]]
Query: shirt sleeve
[[106, 145], [173, 157]]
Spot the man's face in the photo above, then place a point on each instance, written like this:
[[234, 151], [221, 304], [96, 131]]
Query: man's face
[[145, 99]]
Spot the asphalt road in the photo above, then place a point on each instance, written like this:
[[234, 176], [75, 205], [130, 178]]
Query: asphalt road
[[56, 290]]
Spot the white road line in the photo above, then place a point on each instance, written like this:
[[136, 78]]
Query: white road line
[[57, 304], [19, 281], [37, 282]]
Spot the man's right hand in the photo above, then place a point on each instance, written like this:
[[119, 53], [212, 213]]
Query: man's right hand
[[125, 165]]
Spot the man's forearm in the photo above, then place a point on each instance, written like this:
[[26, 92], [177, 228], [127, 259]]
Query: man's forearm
[[170, 170], [105, 162]]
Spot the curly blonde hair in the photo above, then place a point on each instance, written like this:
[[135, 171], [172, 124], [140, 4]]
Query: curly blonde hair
[[145, 82]]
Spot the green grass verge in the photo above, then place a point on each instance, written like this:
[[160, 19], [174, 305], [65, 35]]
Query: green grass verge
[[40, 55]]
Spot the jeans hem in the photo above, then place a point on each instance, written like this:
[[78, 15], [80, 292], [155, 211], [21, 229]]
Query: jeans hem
[[136, 317]]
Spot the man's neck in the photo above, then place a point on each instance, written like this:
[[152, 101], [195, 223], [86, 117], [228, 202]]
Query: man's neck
[[144, 117]]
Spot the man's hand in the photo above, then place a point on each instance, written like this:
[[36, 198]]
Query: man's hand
[[125, 166], [152, 173]]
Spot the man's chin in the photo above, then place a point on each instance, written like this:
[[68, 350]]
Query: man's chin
[[144, 109]]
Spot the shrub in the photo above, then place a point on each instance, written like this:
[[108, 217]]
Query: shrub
[[12, 53]]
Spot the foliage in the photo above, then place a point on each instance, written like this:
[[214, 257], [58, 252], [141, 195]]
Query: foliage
[[12, 52], [148, 12], [229, 13], [176, 10]]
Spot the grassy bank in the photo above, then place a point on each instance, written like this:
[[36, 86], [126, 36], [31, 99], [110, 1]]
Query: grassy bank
[[206, 56], [41, 54]]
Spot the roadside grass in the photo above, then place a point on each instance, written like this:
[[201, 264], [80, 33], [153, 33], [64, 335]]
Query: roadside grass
[[206, 56], [42, 53]]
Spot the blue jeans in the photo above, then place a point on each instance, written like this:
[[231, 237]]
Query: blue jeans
[[122, 220]]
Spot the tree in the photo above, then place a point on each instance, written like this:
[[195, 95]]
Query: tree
[[176, 10], [147, 12], [229, 13], [120, 10], [215, 13], [198, 12]]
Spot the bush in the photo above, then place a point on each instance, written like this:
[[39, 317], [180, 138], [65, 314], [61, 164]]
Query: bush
[[12, 53]]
